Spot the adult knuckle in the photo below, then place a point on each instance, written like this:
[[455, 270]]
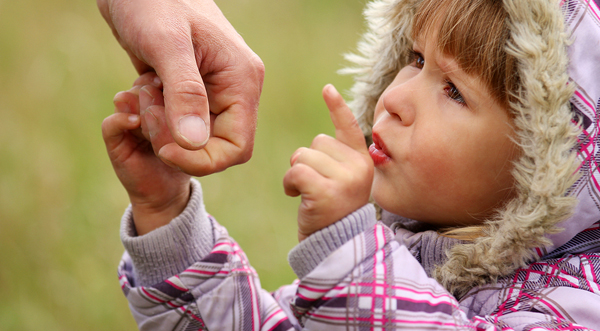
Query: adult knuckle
[[246, 154], [189, 91], [242, 148], [189, 86], [222, 162], [243, 154], [258, 64]]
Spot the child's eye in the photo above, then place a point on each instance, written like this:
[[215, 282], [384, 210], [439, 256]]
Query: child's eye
[[418, 60], [453, 93]]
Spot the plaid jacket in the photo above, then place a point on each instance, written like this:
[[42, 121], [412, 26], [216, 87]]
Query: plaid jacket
[[369, 282]]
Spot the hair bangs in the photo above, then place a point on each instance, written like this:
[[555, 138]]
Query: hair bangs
[[475, 34]]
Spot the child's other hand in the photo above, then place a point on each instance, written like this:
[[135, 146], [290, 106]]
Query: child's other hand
[[157, 192], [334, 175]]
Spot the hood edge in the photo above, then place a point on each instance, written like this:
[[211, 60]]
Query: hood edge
[[542, 116]]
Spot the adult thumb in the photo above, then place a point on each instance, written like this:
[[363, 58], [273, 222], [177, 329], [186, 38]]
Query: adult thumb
[[186, 103]]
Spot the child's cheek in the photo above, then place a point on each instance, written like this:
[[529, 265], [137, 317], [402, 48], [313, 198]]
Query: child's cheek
[[436, 166]]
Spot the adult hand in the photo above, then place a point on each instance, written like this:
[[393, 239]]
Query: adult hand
[[212, 79], [334, 175]]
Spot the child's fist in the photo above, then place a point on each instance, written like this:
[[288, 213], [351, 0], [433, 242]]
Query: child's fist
[[334, 175], [157, 192]]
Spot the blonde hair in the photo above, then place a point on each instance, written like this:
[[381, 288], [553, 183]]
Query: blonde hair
[[475, 33]]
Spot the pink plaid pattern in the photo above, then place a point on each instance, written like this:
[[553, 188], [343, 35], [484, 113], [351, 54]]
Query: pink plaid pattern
[[225, 272], [381, 286], [389, 291], [583, 17]]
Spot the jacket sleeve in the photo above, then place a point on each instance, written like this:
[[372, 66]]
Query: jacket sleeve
[[190, 275]]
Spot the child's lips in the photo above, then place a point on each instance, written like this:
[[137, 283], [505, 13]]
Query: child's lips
[[378, 151]]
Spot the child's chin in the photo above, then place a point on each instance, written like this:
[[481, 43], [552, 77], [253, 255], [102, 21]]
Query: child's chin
[[389, 207]]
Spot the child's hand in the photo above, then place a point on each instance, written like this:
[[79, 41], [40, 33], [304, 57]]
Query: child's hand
[[157, 192], [333, 176]]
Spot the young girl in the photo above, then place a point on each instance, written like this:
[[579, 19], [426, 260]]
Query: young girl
[[474, 111]]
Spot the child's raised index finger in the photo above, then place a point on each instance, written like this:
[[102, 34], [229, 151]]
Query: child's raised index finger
[[346, 126]]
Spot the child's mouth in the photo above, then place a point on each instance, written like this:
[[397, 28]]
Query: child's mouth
[[378, 152]]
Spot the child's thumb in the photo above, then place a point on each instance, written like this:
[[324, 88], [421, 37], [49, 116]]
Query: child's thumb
[[347, 129]]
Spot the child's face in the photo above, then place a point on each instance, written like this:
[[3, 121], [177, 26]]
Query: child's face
[[442, 146]]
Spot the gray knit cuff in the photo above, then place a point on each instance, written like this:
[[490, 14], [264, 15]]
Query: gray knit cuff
[[307, 255], [172, 248]]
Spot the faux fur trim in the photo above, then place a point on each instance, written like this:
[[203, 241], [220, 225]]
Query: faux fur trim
[[383, 51], [544, 172]]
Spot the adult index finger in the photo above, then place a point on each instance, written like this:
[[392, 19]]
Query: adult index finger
[[347, 129]]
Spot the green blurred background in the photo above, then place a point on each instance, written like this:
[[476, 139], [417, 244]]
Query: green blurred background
[[60, 203]]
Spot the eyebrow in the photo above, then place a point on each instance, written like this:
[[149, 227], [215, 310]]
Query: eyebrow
[[451, 68], [448, 66]]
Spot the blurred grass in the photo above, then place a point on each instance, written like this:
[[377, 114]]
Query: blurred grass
[[60, 203]]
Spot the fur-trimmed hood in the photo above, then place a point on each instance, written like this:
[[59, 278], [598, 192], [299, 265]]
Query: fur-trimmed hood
[[558, 183]]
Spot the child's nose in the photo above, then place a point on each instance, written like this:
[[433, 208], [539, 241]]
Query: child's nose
[[398, 101]]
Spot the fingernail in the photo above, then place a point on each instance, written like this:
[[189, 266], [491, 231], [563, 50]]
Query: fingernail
[[133, 118], [193, 129], [295, 157], [157, 82], [120, 97], [151, 123], [146, 99]]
